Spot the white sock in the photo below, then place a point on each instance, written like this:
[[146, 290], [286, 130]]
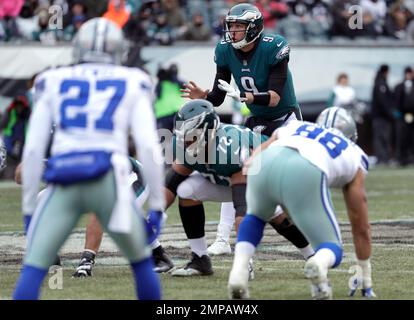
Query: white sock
[[198, 246], [227, 218], [366, 272], [243, 252], [307, 251], [326, 256], [91, 251], [155, 244]]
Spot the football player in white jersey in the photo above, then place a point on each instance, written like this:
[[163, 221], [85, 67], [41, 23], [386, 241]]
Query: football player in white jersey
[[294, 169], [94, 104]]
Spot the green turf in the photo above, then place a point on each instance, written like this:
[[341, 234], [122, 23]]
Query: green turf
[[274, 280], [390, 196]]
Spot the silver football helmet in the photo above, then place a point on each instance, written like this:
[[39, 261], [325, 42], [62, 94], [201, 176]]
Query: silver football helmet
[[339, 118], [99, 40], [3, 155]]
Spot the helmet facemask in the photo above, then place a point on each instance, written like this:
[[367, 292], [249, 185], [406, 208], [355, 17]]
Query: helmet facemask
[[339, 119], [195, 134], [100, 41]]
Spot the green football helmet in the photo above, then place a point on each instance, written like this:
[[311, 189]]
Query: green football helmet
[[250, 16], [339, 118], [196, 125]]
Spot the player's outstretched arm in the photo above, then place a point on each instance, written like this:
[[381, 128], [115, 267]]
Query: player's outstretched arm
[[192, 91], [356, 203], [148, 148]]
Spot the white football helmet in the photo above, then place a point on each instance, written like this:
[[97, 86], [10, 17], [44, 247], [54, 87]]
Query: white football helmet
[[99, 40], [338, 118]]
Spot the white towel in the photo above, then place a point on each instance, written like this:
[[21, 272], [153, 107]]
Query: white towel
[[122, 213]]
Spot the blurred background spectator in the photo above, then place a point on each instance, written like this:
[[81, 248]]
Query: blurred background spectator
[[397, 20], [168, 94], [117, 12], [342, 95], [197, 30], [168, 103], [272, 11], [14, 123], [160, 32], [340, 18], [9, 10], [382, 116], [404, 96], [167, 20]]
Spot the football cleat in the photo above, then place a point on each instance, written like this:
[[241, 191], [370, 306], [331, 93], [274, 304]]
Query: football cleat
[[219, 247], [162, 262], [86, 263], [368, 293], [320, 287], [238, 283], [198, 266]]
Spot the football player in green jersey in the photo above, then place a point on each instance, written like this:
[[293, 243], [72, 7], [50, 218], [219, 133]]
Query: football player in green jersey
[[208, 167], [259, 65]]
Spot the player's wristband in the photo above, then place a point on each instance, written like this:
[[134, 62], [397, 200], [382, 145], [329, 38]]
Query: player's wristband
[[261, 98]]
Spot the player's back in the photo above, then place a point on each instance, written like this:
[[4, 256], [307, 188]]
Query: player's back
[[338, 157], [91, 105]]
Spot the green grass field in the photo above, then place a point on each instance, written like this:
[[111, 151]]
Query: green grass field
[[278, 268]]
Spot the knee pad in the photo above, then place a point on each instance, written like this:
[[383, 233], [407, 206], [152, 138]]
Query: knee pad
[[185, 190]]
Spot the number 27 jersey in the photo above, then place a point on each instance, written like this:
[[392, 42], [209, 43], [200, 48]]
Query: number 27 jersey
[[91, 105], [338, 157]]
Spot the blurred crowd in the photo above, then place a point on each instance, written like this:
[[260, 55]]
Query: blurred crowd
[[391, 114], [165, 21]]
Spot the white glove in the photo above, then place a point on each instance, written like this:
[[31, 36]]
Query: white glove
[[231, 92]]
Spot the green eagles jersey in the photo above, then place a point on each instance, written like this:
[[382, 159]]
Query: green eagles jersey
[[138, 185], [232, 145], [252, 75]]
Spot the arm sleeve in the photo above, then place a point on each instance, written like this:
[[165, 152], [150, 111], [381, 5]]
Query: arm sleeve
[[278, 76], [37, 140], [148, 148], [217, 96]]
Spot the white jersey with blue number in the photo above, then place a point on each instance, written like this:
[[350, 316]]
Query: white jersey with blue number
[[93, 107], [338, 157], [94, 103]]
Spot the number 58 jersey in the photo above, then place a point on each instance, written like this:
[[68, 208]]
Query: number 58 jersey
[[338, 157], [93, 104]]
